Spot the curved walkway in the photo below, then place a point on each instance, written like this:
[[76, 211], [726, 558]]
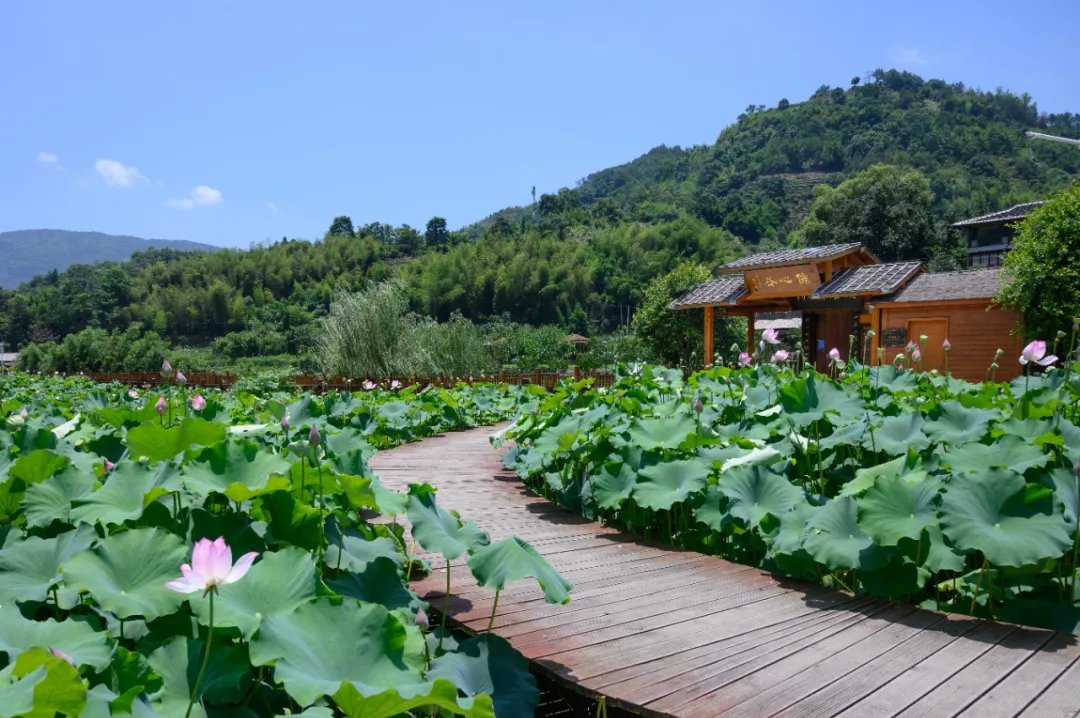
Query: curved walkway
[[667, 632]]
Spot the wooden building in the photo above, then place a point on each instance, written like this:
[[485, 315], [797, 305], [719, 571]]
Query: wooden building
[[843, 291], [990, 236]]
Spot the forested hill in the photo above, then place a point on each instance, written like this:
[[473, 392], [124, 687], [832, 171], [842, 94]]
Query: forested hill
[[29, 252], [757, 179], [582, 257]]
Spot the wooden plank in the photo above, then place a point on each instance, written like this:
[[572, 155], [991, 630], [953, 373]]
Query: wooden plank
[[1059, 698], [1028, 682]]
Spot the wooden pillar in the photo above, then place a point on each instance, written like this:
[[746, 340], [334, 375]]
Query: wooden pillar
[[828, 271], [750, 333], [709, 352]]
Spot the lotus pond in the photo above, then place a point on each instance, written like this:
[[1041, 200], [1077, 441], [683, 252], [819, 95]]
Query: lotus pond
[[178, 553], [910, 486]]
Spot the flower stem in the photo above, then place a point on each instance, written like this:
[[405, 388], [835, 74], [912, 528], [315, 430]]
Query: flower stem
[[446, 607], [494, 608], [205, 660]]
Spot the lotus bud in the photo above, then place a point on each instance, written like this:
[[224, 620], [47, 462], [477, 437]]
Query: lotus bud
[[285, 422], [880, 353], [916, 355], [395, 385], [735, 348], [834, 354], [313, 436], [698, 406], [161, 407], [1076, 467], [1060, 334], [24, 414], [180, 378], [946, 345], [166, 368], [108, 465], [198, 403]]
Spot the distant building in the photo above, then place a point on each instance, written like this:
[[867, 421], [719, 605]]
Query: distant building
[[9, 358], [990, 236]]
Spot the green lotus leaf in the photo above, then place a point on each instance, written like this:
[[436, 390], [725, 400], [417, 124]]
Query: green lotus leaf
[[440, 531], [276, 584], [710, 508], [121, 498], [355, 703], [29, 568], [305, 410], [662, 485], [487, 664], [756, 492], [958, 424], [60, 692], [158, 443], [1027, 429], [851, 434], [1008, 452], [380, 582], [613, 484], [512, 559], [17, 693], [238, 469], [290, 522], [806, 400], [78, 639], [834, 538], [320, 645], [355, 552], [126, 572], [178, 660], [894, 508], [36, 466], [939, 555], [51, 499], [868, 476], [897, 434], [652, 434], [1066, 492], [1011, 523]]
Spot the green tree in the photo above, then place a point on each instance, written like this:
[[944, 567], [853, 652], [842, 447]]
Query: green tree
[[888, 209], [1043, 274], [409, 241], [678, 337], [436, 235], [342, 225]]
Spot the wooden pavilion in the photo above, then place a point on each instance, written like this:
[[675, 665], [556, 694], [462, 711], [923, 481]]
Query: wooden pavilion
[[843, 291]]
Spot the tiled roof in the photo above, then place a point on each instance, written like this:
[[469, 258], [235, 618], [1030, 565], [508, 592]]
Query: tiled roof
[[1000, 217], [943, 286], [726, 290], [788, 257], [871, 279]]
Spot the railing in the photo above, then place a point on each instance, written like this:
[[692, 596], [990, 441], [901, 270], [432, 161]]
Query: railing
[[314, 383]]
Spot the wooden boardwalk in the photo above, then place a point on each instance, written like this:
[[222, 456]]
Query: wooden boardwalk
[[667, 632]]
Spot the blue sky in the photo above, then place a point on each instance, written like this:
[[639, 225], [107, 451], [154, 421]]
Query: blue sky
[[238, 122]]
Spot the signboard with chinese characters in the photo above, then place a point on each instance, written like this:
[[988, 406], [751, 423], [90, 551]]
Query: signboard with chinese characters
[[797, 281], [893, 336]]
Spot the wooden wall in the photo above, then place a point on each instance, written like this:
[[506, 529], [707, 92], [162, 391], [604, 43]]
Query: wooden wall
[[974, 329]]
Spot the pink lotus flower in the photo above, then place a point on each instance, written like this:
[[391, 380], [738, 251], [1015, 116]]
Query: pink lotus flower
[[198, 403], [23, 413], [63, 656], [744, 359], [285, 422], [180, 378], [368, 385], [946, 345], [133, 394], [108, 465], [161, 407], [781, 355], [395, 385], [166, 367], [1035, 353], [313, 436], [916, 355], [770, 336], [211, 566], [834, 354]]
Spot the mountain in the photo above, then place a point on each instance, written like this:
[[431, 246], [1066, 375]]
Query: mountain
[[29, 252]]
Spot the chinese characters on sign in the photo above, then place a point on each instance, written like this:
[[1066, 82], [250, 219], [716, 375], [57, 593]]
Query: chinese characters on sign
[[796, 281]]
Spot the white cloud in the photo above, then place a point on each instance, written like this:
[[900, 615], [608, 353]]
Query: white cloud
[[272, 207], [909, 56], [201, 196], [117, 174], [47, 158]]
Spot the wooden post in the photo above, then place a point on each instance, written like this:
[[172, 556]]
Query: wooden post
[[750, 333], [828, 271], [709, 336]]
